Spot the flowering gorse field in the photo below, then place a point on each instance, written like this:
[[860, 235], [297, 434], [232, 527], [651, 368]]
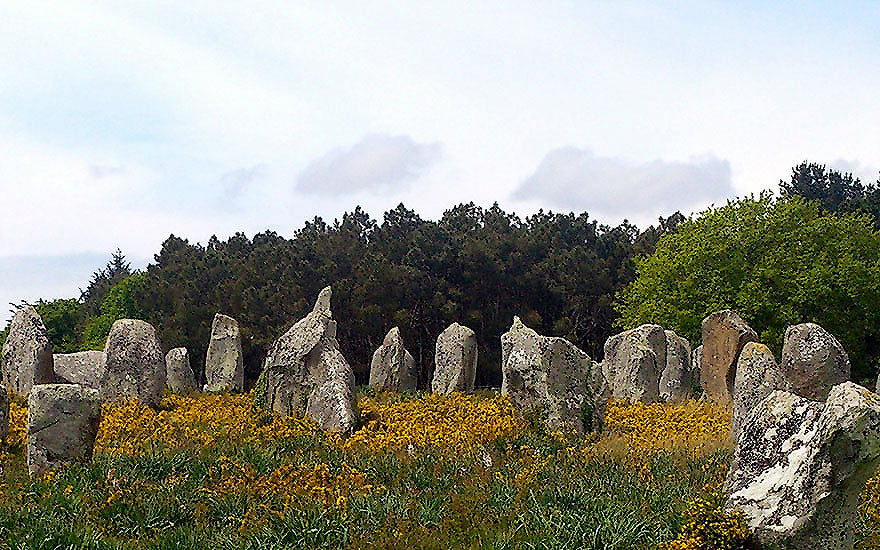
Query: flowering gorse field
[[423, 471]]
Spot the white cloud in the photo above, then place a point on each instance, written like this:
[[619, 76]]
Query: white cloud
[[378, 163], [867, 174], [575, 179]]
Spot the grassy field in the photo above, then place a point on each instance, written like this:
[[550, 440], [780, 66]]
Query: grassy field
[[423, 472]]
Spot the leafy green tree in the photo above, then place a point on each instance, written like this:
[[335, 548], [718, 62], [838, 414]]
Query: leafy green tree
[[62, 319], [834, 190], [120, 302], [777, 262]]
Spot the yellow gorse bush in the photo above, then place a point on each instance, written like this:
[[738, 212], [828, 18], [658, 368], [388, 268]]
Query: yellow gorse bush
[[17, 436]]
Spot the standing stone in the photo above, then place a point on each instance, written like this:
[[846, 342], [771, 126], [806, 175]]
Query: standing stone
[[757, 376], [724, 336], [676, 382], [634, 362], [392, 367], [27, 353], [799, 466], [224, 362], [552, 377], [697, 363], [135, 363], [85, 368], [878, 384], [813, 361], [305, 373], [455, 361], [63, 422], [4, 412], [179, 377]]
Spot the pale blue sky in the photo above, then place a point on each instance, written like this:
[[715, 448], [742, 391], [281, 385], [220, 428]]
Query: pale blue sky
[[122, 122]]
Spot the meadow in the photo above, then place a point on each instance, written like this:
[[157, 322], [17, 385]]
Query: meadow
[[423, 471]]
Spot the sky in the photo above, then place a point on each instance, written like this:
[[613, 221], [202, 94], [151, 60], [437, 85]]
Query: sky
[[124, 122]]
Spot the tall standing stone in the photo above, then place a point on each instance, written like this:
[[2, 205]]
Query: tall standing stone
[[800, 465], [634, 362], [305, 373], [813, 361], [135, 363], [392, 367], [455, 360], [224, 362], [724, 336], [551, 376], [757, 376], [63, 422], [85, 368], [676, 381], [179, 377], [4, 412], [27, 353]]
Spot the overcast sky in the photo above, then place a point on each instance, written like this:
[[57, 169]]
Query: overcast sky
[[120, 125]]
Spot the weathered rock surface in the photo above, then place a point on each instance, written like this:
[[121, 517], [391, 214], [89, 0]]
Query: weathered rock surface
[[878, 384], [634, 362], [800, 465], [551, 376], [85, 368], [63, 422], [724, 336], [224, 362], [392, 367], [676, 381], [813, 361], [304, 372], [455, 361], [27, 353], [697, 363], [135, 363], [179, 377], [4, 412], [757, 376]]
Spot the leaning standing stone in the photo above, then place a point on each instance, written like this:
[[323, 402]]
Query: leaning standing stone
[[800, 465], [676, 382], [63, 422], [85, 368], [224, 363], [4, 412], [135, 363], [179, 374], [455, 361], [813, 361], [724, 336], [392, 367], [757, 376], [634, 361], [27, 353]]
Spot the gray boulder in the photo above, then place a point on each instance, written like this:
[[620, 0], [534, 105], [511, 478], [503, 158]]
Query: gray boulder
[[552, 377], [27, 353], [813, 361], [135, 363], [179, 377], [455, 361], [878, 384], [62, 425], [799, 466], [757, 376], [85, 368], [676, 381], [392, 367], [724, 336], [304, 372], [224, 362], [634, 361], [697, 363], [4, 412]]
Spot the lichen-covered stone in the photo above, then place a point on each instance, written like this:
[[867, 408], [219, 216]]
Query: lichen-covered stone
[[676, 380], [813, 361], [224, 362], [62, 425], [179, 377], [135, 363], [4, 412], [634, 362], [757, 376], [724, 336], [27, 353], [455, 361], [305, 373], [85, 368], [392, 367], [697, 363], [550, 376], [799, 466]]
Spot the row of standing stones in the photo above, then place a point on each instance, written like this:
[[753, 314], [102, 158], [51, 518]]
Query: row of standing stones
[[806, 438]]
